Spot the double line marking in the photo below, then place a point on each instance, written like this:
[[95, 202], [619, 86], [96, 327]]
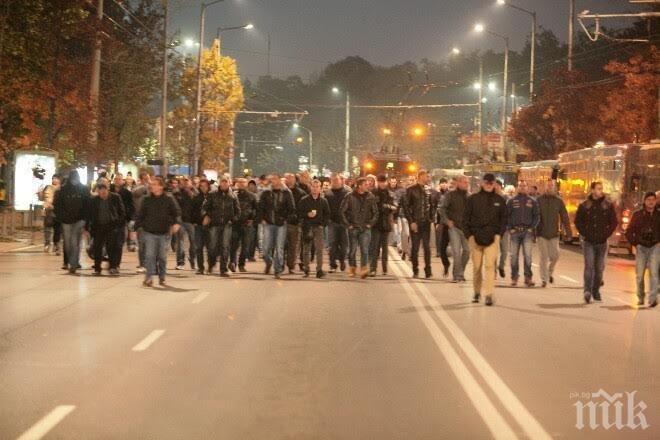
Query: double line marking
[[496, 423]]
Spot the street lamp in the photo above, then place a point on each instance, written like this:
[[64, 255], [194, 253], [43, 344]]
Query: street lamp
[[198, 100], [299, 139], [247, 26], [479, 28], [456, 51], [533, 42], [347, 140]]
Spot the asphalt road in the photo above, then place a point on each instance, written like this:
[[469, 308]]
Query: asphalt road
[[83, 357]]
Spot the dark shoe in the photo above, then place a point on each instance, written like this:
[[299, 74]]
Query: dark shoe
[[415, 274], [640, 302], [232, 267], [587, 297], [428, 274], [653, 304], [148, 283], [320, 274], [342, 266], [489, 300], [278, 275], [445, 272], [529, 282], [306, 274], [252, 260], [114, 271], [514, 282], [544, 284], [200, 271], [97, 272], [72, 270], [292, 272], [598, 298], [242, 269], [224, 274], [301, 266], [372, 273], [476, 298], [333, 270], [209, 270], [502, 274], [384, 271], [162, 283], [267, 269], [65, 267], [552, 280]]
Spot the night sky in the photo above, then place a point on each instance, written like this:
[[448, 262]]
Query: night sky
[[385, 32]]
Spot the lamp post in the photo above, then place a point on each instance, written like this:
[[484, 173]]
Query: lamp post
[[533, 43], [198, 100], [311, 142], [347, 143], [480, 28]]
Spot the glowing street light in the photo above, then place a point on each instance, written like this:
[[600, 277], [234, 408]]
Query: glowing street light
[[335, 90], [479, 27], [418, 131], [476, 86], [387, 131], [492, 86], [189, 42], [456, 51]]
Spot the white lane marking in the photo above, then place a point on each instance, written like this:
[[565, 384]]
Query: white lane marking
[[25, 247], [150, 339], [497, 425], [48, 422], [535, 265], [569, 279], [201, 297], [525, 419]]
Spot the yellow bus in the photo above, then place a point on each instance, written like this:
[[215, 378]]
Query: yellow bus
[[627, 171], [507, 172]]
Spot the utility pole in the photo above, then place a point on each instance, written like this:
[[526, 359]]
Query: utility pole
[[532, 59], [504, 94], [94, 88], [513, 99], [481, 105], [163, 111], [347, 145], [571, 21]]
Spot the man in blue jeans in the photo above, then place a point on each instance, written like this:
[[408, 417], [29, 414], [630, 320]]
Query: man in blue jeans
[[523, 217], [159, 217], [644, 233], [71, 204], [359, 212], [275, 207], [595, 220]]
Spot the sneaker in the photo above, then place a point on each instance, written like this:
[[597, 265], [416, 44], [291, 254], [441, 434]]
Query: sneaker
[[209, 270], [72, 270], [384, 271], [180, 267], [148, 283], [489, 300], [242, 269], [114, 271], [320, 274], [46, 248], [351, 271], [598, 298], [552, 280], [364, 273], [333, 270], [476, 298], [372, 273], [141, 270]]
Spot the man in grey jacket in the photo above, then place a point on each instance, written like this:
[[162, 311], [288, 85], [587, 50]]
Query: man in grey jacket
[[553, 215]]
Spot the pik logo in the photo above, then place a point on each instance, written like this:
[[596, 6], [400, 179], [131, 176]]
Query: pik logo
[[602, 410]]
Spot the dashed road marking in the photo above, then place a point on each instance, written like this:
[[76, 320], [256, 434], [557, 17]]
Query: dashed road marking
[[150, 339], [201, 297], [48, 422], [569, 279]]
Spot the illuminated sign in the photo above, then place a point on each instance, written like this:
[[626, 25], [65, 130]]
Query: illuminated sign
[[32, 171]]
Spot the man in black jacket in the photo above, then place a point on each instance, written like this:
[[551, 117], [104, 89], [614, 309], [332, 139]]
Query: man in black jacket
[[441, 229], [118, 186], [452, 212], [383, 226], [220, 213], [420, 211], [70, 205], [201, 231], [276, 206], [314, 214], [183, 194], [644, 233], [293, 224], [159, 216], [337, 232], [242, 229], [485, 221], [359, 213], [106, 223], [595, 220]]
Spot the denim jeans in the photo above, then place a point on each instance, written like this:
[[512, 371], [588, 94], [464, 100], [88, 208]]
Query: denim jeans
[[241, 238], [273, 242], [189, 230], [72, 240], [647, 258], [521, 239], [219, 241], [460, 251], [423, 237], [338, 242], [313, 244], [594, 264], [155, 254], [359, 237]]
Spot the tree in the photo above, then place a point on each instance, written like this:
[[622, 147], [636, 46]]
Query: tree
[[222, 98]]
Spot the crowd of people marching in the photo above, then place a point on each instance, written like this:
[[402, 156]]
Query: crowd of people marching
[[292, 220]]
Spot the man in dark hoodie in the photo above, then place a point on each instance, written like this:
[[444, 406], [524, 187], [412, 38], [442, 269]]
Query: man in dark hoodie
[[71, 206], [595, 220], [485, 221], [337, 233], [314, 214], [359, 213], [276, 206], [383, 226], [644, 233], [221, 211]]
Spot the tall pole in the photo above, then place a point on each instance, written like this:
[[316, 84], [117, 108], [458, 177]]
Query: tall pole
[[571, 21], [504, 94], [311, 149], [513, 99], [163, 110], [532, 59], [94, 89], [198, 99], [268, 59], [347, 144], [481, 105]]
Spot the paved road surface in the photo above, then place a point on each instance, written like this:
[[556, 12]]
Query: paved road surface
[[254, 358]]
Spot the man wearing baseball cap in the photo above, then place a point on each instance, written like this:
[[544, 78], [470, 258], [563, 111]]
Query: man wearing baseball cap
[[485, 222]]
